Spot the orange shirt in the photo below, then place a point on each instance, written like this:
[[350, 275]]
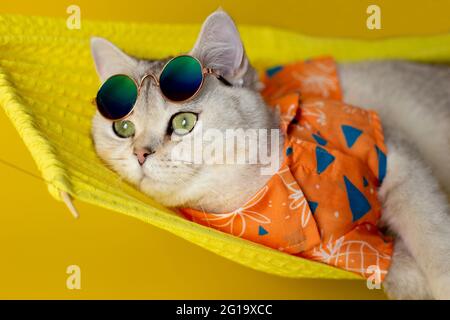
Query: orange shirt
[[322, 203]]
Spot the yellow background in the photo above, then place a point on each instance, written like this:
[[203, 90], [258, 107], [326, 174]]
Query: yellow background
[[124, 258]]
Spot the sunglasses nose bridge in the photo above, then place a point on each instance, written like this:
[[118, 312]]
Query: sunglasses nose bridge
[[149, 75]]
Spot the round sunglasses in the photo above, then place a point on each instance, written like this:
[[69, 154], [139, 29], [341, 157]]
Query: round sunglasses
[[180, 80]]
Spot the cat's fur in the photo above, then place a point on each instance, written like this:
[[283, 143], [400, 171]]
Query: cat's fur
[[412, 99]]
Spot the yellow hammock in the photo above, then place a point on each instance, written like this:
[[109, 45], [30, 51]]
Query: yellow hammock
[[47, 82]]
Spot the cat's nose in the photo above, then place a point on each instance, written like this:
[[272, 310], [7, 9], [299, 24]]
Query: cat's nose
[[142, 154]]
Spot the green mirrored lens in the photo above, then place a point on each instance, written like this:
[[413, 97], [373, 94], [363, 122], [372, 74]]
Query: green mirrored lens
[[116, 97], [181, 78]]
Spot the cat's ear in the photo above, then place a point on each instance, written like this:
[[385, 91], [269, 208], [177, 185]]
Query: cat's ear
[[219, 47], [110, 60]]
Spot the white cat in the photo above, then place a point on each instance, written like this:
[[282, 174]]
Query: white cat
[[412, 99]]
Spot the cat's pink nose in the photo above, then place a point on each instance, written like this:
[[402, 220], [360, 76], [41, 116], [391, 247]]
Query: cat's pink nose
[[142, 154]]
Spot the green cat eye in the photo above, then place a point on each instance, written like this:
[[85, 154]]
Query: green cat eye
[[184, 122], [123, 128]]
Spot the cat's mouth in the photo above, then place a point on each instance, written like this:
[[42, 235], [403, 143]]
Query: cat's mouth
[[150, 177], [145, 178]]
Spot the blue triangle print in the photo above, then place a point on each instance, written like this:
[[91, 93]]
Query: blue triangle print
[[323, 159], [365, 182], [289, 151], [381, 164], [351, 134], [274, 70], [358, 202], [262, 231], [319, 139], [313, 206]]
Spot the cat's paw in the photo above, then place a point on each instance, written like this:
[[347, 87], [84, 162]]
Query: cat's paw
[[440, 287], [404, 291]]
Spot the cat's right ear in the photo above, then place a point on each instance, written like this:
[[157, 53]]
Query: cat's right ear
[[110, 60], [219, 46]]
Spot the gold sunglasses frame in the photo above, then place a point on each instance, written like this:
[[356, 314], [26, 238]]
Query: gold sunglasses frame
[[205, 72]]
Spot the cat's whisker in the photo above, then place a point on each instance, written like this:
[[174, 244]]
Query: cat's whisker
[[120, 158]]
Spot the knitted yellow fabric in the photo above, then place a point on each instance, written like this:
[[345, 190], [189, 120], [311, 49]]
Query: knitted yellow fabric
[[47, 82]]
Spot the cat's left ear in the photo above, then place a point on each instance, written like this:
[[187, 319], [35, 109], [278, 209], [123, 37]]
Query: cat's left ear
[[219, 47]]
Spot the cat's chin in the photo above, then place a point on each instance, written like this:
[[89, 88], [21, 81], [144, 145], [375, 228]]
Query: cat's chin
[[162, 191]]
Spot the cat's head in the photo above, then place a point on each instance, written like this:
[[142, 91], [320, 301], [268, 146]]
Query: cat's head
[[144, 158]]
